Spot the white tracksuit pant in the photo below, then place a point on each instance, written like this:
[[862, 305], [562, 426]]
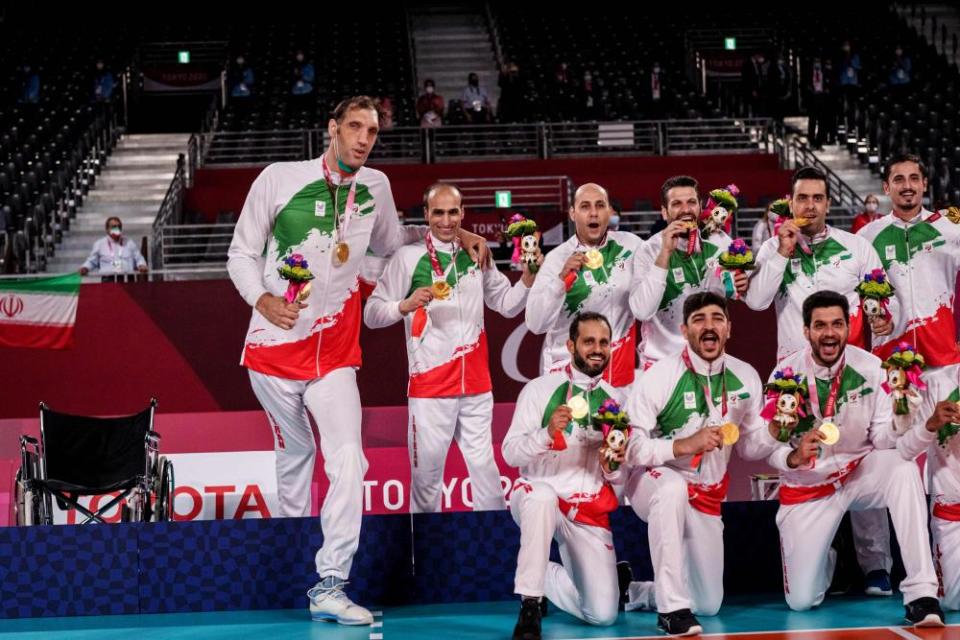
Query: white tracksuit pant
[[871, 539], [686, 545], [433, 424], [585, 585], [946, 556], [334, 402], [883, 479]]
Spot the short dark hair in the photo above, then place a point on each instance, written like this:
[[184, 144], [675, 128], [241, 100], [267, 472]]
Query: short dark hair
[[676, 181], [587, 316], [822, 300], [356, 102], [703, 299], [111, 219], [441, 185], [897, 158], [810, 173]]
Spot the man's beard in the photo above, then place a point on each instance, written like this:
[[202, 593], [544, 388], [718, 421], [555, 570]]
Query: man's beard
[[585, 367]]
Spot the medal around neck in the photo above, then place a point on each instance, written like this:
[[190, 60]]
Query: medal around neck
[[579, 408], [730, 433], [831, 433], [341, 254], [594, 259], [440, 289]]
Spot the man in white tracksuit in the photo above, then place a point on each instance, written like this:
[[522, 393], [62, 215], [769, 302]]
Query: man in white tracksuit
[[861, 469], [937, 432], [693, 393], [786, 274], [668, 270], [592, 271], [304, 356], [564, 491], [439, 294]]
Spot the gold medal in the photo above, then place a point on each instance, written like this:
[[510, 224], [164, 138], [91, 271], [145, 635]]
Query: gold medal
[[594, 259], [341, 254], [441, 290], [690, 225], [801, 222], [831, 433], [579, 408], [730, 433], [304, 293]]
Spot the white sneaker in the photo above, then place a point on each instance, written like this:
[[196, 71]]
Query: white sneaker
[[329, 603]]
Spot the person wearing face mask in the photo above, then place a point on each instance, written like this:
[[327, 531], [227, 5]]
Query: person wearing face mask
[[114, 255], [475, 101], [780, 87], [303, 76], [901, 68], [430, 105], [753, 80], [871, 212], [510, 105]]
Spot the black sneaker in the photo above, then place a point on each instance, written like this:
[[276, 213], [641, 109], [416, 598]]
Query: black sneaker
[[924, 612], [681, 622], [624, 578], [528, 625]]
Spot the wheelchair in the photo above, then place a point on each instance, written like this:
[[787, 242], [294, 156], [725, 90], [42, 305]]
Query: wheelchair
[[82, 456]]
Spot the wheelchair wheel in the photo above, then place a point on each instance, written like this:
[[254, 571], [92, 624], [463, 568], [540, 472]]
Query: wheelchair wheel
[[163, 507]]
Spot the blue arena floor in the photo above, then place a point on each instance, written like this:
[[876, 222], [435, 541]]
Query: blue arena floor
[[759, 619]]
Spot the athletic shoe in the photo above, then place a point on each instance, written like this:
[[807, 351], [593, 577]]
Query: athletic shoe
[[681, 622], [924, 612], [528, 624], [878, 583], [329, 603]]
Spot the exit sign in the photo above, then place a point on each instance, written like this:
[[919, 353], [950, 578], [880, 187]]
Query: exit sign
[[183, 57], [730, 44], [503, 199]]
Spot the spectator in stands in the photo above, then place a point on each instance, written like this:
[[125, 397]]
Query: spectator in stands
[[764, 229], [303, 75], [386, 110], [820, 110], [871, 211], [848, 81], [103, 84], [29, 85], [780, 87], [240, 79], [430, 105], [753, 80], [562, 94], [114, 254], [475, 102], [901, 68], [653, 91], [510, 105]]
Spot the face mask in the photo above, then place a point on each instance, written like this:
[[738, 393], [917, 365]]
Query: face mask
[[115, 232], [614, 220], [428, 90], [872, 207], [656, 69], [474, 82]]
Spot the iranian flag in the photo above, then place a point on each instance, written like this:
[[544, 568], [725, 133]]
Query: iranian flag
[[39, 313]]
